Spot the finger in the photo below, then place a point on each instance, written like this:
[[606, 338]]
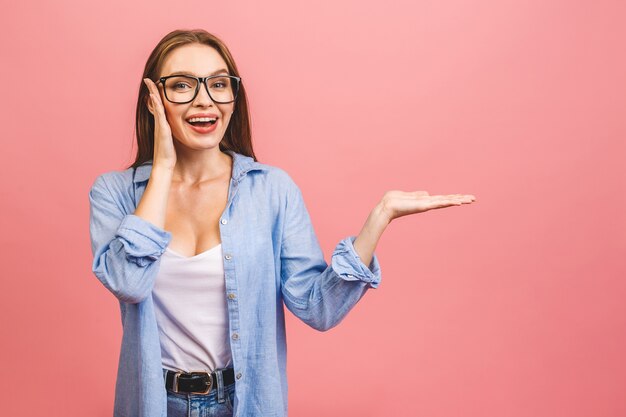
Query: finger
[[151, 86], [470, 196], [149, 100], [438, 204], [461, 200], [448, 203], [153, 89], [441, 197], [454, 197], [443, 201], [160, 111], [152, 105]]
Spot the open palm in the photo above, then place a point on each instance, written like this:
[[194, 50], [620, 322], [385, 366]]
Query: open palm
[[400, 203]]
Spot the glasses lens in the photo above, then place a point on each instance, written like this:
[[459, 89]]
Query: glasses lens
[[181, 89], [222, 89]]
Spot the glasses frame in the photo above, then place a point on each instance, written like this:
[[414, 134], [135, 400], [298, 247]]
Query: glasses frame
[[200, 81]]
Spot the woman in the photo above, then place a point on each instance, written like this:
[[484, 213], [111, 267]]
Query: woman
[[202, 244]]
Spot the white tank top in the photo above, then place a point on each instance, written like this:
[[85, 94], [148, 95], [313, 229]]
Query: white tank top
[[190, 304]]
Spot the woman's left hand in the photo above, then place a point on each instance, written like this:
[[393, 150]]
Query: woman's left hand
[[400, 203], [396, 204]]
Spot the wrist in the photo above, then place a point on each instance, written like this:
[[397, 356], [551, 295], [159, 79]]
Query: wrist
[[161, 170], [380, 216]]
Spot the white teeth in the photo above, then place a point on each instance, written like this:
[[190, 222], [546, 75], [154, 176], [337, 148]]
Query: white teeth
[[202, 119]]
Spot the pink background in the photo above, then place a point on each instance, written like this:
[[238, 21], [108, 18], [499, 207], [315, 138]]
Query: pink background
[[511, 306]]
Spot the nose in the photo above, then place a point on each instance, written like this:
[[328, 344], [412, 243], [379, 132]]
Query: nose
[[203, 98]]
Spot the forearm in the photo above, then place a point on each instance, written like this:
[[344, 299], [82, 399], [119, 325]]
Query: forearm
[[365, 243], [124, 245], [153, 204]]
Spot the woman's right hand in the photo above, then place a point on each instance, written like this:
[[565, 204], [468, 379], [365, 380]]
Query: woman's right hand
[[164, 151]]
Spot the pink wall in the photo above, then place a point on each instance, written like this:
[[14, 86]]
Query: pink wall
[[511, 306]]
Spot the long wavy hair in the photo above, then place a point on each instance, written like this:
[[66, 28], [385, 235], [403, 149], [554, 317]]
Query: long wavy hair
[[237, 137]]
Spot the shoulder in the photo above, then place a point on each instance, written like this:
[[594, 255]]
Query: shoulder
[[261, 174], [114, 179], [280, 179], [116, 185]]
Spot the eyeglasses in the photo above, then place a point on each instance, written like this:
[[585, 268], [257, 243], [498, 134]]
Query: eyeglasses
[[181, 89]]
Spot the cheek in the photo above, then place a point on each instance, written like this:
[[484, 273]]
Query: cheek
[[171, 115], [227, 119], [227, 114]]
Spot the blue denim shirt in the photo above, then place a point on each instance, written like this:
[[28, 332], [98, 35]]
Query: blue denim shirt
[[271, 256]]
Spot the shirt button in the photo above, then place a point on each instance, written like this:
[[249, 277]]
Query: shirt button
[[239, 375], [228, 256], [235, 336], [231, 296], [224, 221]]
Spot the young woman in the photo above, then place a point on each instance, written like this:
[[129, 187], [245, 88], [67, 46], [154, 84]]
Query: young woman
[[202, 244]]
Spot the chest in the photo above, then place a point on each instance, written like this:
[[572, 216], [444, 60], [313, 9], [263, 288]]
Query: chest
[[193, 216]]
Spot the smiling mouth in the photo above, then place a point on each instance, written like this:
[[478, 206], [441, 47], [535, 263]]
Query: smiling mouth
[[203, 124]]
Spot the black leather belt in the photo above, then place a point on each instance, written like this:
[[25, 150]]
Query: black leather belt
[[196, 382]]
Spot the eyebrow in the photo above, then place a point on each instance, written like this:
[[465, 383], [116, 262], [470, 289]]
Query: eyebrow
[[190, 73]]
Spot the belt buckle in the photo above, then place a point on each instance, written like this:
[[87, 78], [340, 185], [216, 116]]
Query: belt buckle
[[175, 384], [209, 383]]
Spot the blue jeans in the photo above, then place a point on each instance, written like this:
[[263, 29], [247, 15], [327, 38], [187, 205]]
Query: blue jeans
[[217, 403]]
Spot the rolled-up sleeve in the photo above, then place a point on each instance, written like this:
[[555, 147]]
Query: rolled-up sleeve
[[126, 248], [318, 293], [348, 265]]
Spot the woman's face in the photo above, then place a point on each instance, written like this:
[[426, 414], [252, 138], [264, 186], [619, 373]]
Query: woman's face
[[201, 61]]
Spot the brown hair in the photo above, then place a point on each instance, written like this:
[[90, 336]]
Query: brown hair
[[237, 136]]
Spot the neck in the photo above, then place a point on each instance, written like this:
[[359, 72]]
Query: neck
[[195, 166]]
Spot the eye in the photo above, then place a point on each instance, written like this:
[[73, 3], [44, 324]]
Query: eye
[[180, 85]]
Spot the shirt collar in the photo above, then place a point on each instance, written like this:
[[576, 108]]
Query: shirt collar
[[241, 165]]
